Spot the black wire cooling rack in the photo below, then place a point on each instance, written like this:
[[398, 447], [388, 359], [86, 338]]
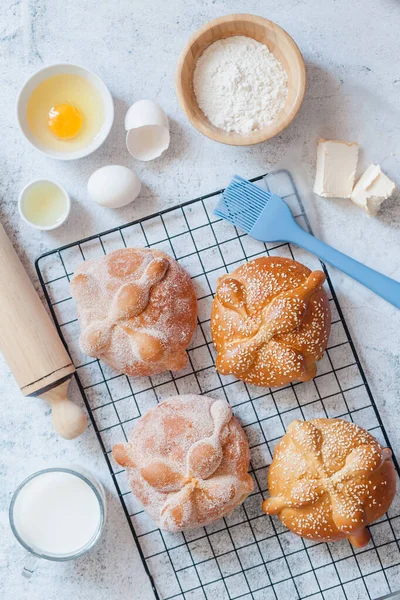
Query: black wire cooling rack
[[247, 555]]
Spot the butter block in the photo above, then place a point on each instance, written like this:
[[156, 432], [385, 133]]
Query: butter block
[[336, 168], [373, 188]]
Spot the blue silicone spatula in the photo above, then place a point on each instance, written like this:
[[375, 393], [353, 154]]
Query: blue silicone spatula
[[266, 217]]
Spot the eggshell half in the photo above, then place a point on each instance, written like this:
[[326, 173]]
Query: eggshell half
[[147, 130], [113, 186]]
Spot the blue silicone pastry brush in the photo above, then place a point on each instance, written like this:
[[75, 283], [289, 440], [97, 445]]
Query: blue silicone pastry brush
[[266, 217]]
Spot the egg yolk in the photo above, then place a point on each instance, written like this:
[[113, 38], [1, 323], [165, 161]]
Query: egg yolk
[[65, 121]]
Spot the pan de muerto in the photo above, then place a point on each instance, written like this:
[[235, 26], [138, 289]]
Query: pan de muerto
[[187, 462], [137, 309], [329, 479], [270, 322]]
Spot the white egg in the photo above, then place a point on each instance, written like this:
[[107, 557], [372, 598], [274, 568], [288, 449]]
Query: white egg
[[113, 186], [147, 130]]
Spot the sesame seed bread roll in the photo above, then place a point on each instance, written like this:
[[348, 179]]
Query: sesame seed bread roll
[[187, 462], [137, 309], [329, 479], [270, 322]]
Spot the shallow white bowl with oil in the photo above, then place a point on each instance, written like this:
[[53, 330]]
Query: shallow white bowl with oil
[[57, 215], [62, 69]]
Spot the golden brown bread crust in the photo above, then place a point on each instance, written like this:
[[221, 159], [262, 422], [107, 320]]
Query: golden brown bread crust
[[137, 309], [270, 322], [187, 462], [329, 479]]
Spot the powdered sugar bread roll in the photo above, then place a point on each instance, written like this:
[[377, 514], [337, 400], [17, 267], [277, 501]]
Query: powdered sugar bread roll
[[270, 322], [137, 309], [329, 479], [187, 462]]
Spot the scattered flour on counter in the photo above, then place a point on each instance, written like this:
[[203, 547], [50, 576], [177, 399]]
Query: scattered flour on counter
[[239, 84]]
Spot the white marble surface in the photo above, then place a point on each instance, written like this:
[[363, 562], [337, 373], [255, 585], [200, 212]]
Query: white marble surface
[[351, 48]]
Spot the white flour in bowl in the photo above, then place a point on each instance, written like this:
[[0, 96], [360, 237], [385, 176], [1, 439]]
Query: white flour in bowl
[[239, 84]]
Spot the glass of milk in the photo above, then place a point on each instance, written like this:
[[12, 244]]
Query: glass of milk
[[57, 514]]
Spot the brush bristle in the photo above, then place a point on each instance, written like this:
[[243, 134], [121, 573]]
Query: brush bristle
[[242, 203]]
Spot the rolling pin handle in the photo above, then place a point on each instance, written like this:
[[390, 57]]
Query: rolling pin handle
[[69, 420]]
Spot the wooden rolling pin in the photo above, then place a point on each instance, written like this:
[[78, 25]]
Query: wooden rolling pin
[[31, 345]]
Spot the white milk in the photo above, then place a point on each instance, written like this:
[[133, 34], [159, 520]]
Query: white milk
[[57, 513]]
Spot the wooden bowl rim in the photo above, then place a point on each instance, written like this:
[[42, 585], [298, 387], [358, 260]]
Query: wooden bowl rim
[[257, 137]]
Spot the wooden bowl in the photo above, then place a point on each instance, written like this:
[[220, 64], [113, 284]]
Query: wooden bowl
[[279, 43]]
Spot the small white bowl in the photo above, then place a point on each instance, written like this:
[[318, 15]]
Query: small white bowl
[[60, 69], [22, 198]]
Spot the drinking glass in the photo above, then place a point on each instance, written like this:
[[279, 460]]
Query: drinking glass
[[35, 553]]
